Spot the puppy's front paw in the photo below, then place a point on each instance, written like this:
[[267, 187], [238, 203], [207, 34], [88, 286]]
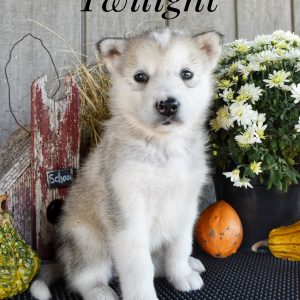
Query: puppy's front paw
[[191, 282], [196, 264]]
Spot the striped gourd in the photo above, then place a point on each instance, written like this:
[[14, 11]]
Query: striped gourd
[[18, 262], [283, 242]]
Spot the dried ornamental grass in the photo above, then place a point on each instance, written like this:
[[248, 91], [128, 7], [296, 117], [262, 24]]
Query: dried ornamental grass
[[94, 86]]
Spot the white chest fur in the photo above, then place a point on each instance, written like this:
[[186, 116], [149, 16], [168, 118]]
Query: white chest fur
[[176, 201], [160, 196]]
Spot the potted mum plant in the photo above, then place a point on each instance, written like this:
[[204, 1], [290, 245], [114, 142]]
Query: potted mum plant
[[255, 132]]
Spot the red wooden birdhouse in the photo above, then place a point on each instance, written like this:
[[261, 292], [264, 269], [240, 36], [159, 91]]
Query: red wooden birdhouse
[[37, 168]]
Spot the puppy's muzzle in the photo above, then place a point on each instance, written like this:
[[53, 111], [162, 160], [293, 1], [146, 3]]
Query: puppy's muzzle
[[167, 107]]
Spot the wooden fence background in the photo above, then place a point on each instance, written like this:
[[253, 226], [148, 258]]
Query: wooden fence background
[[79, 31]]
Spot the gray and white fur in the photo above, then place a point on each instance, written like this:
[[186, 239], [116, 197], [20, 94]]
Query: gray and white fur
[[134, 204]]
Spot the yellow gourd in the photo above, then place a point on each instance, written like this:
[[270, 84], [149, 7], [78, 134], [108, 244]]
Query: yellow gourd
[[18, 262], [283, 242]]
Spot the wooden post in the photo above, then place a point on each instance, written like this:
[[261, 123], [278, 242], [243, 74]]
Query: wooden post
[[55, 146]]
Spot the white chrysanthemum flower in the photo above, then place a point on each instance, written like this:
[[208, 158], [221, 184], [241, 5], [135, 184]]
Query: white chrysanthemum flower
[[224, 84], [297, 126], [281, 44], [223, 112], [250, 92], [244, 70], [228, 51], [277, 79], [249, 137], [281, 53], [286, 88], [261, 118], [262, 40], [223, 119], [221, 73], [214, 124], [295, 90], [253, 65], [253, 62], [234, 175], [291, 36], [227, 95], [260, 129], [293, 53], [279, 34], [263, 68], [243, 182], [267, 56], [242, 113], [243, 97], [283, 35], [251, 58], [255, 167], [241, 46], [232, 68]]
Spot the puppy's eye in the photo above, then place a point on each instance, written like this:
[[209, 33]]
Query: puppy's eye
[[186, 74], [141, 77]]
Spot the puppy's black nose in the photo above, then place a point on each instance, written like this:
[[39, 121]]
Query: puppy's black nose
[[167, 107]]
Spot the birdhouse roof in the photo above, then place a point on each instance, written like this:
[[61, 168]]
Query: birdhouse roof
[[14, 158]]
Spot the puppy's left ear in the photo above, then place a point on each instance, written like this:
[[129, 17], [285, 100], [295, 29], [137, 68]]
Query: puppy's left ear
[[210, 43], [111, 50]]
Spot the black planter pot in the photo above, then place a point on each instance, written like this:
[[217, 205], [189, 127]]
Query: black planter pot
[[260, 209]]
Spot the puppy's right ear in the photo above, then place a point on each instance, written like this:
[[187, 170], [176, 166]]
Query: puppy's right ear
[[210, 44], [110, 50]]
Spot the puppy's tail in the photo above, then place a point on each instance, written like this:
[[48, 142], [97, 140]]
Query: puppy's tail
[[47, 275]]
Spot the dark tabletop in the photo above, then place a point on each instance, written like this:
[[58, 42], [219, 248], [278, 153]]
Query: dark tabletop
[[242, 276]]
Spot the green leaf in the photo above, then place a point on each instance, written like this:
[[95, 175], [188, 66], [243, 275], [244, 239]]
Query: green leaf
[[278, 185], [277, 179], [270, 180], [290, 161]]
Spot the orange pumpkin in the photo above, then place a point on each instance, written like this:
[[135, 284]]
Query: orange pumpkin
[[219, 230]]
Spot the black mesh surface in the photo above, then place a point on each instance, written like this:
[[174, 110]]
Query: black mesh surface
[[245, 275]]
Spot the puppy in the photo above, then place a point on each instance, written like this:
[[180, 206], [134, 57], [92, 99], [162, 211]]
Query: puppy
[[134, 204]]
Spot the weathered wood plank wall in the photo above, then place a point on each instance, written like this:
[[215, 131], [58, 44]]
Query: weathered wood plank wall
[[296, 16], [256, 16], [234, 18], [99, 24], [222, 19], [29, 60]]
